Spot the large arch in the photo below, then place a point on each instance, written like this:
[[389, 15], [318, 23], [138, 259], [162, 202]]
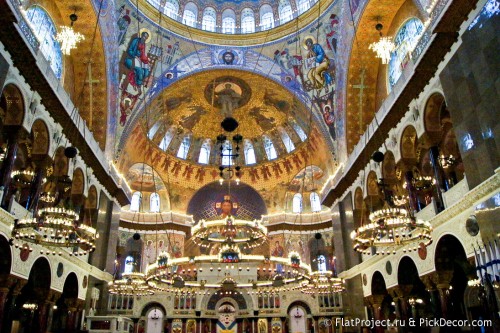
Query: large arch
[[152, 305], [5, 257], [453, 271], [12, 106]]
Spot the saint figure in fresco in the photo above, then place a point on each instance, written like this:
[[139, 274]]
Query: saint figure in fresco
[[137, 60], [228, 99], [317, 74], [176, 250], [278, 251]]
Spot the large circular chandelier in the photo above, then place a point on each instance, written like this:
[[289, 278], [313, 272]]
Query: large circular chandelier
[[233, 240], [249, 234], [55, 227], [391, 228], [322, 283], [131, 284]]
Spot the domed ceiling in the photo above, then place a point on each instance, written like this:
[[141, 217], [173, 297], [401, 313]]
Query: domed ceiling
[[197, 105]]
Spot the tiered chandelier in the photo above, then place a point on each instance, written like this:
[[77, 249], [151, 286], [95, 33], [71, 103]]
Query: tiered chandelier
[[393, 227], [131, 284], [322, 283], [231, 237], [55, 227]]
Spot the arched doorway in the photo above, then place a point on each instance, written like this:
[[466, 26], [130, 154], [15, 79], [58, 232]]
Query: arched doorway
[[154, 323], [416, 301], [452, 269], [298, 318], [65, 312], [380, 301], [31, 310], [155, 316]]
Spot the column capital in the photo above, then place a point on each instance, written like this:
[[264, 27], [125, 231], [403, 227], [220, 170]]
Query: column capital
[[440, 277], [374, 300], [400, 291]]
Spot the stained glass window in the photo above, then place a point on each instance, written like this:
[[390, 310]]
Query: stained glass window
[[269, 148], [285, 11], [135, 203], [45, 31], [184, 148], [154, 203], [406, 39], [208, 21], [315, 202], [247, 21], [297, 203], [249, 153]]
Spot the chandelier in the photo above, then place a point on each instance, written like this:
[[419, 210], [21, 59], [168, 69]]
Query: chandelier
[[322, 283], [384, 47], [55, 227], [131, 284], [250, 234], [229, 243], [447, 161], [391, 228], [67, 37]]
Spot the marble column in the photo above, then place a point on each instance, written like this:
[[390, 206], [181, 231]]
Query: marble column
[[7, 282], [36, 185], [8, 166], [72, 304], [18, 285], [376, 303], [412, 192], [438, 175]]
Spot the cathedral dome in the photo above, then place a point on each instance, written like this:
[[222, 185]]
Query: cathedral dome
[[204, 19]]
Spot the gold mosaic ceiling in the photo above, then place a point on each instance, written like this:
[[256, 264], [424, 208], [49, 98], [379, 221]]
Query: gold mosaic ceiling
[[260, 105], [76, 65]]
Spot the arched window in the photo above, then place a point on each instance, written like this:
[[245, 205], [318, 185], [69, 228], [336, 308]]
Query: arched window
[[172, 9], [154, 203], [266, 17], [227, 149], [285, 11], [269, 148], [165, 142], [152, 131], [184, 147], [228, 21], [45, 31], [287, 141], [321, 263], [405, 40], [208, 21], [315, 202], [247, 21], [135, 203], [249, 153], [297, 203], [300, 132], [190, 14], [303, 6], [204, 152], [129, 265]]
